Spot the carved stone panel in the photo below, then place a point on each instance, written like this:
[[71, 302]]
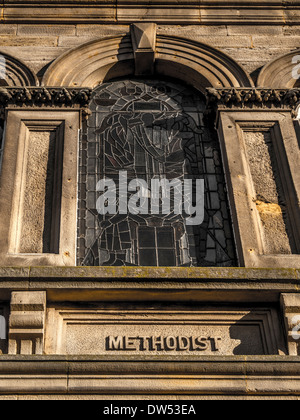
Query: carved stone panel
[[262, 159], [40, 191], [269, 193], [38, 188], [163, 331]]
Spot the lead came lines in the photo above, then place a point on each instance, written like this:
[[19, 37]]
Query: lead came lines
[[151, 129]]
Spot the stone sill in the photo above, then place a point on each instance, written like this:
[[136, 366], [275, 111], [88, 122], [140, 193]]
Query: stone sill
[[116, 284], [232, 375], [136, 273]]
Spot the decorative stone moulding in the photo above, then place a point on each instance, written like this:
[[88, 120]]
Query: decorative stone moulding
[[244, 98], [47, 97], [212, 12], [14, 72]]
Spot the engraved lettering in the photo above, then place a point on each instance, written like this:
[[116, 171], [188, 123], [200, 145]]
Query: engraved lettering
[[115, 343], [214, 343], [183, 343], [202, 343], [171, 343], [130, 344], [144, 343], [159, 343]]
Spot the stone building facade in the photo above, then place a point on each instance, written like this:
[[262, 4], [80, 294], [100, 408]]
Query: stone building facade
[[148, 305]]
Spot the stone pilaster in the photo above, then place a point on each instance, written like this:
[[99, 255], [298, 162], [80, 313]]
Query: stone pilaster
[[290, 303], [27, 323]]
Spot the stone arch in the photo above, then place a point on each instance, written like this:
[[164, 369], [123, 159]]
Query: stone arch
[[279, 72], [99, 61], [14, 72]]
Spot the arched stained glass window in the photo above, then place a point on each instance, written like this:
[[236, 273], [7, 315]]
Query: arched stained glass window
[[151, 130]]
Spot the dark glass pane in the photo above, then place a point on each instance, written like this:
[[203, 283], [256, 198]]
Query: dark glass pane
[[147, 257], [165, 238], [147, 238], [166, 258]]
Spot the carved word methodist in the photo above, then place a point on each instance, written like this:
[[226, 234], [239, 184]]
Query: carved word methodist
[[159, 343]]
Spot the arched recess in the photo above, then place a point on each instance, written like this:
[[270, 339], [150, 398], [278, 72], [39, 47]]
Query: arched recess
[[282, 72], [14, 72], [99, 61]]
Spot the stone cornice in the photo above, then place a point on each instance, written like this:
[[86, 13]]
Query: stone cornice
[[208, 12], [45, 97], [252, 98]]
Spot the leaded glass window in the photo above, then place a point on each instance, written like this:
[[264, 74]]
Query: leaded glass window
[[151, 129]]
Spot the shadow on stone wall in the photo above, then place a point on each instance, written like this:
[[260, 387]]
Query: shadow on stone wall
[[257, 336]]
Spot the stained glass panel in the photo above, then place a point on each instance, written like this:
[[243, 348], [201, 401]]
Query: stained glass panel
[[151, 130]]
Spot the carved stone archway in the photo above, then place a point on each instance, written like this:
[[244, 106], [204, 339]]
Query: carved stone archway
[[280, 73], [99, 61], [14, 72]]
